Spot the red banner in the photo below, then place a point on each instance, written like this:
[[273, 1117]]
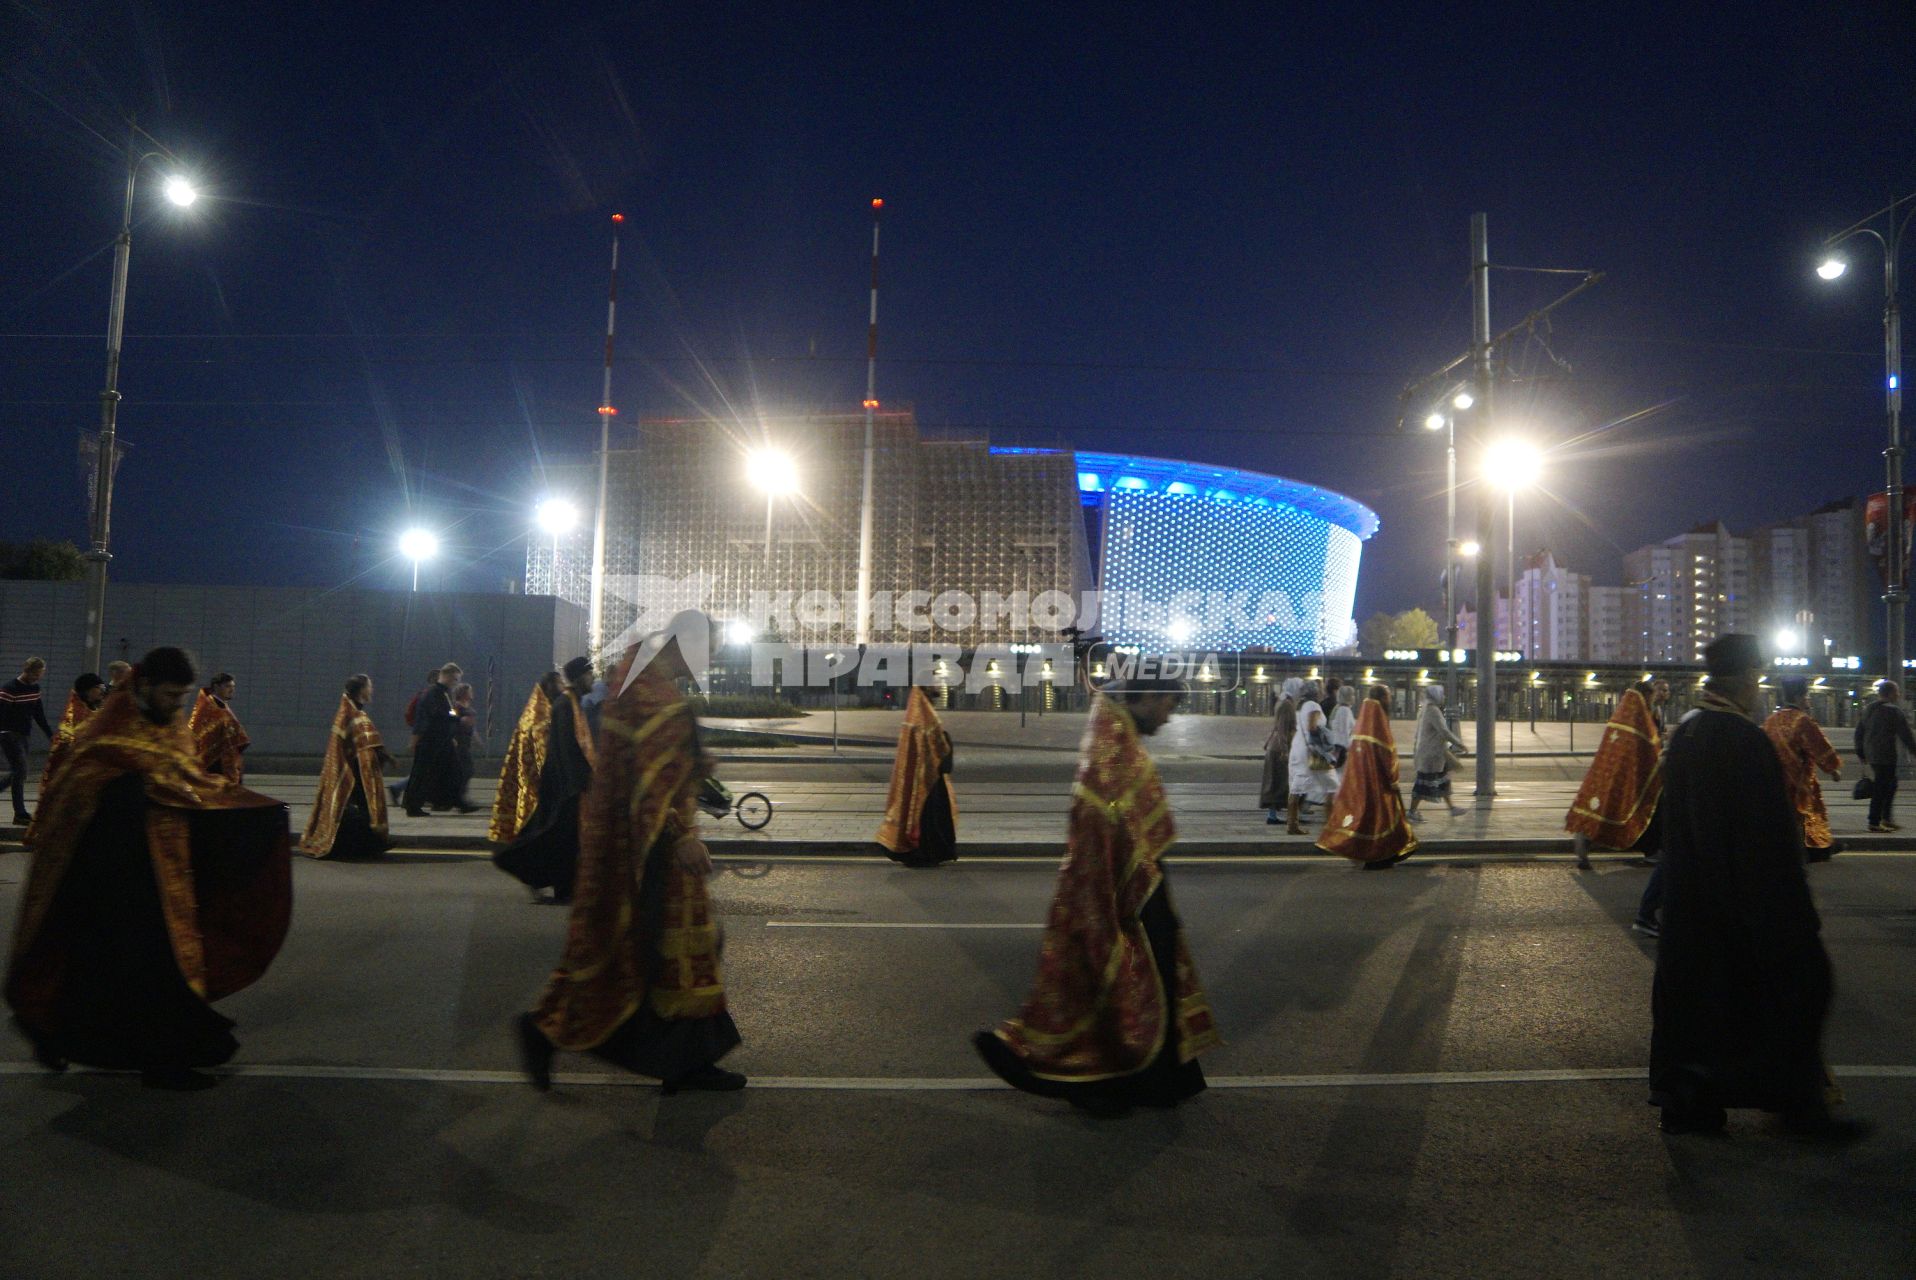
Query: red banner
[[1876, 529]]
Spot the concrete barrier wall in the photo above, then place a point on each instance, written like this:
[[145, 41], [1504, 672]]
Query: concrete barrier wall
[[292, 648]]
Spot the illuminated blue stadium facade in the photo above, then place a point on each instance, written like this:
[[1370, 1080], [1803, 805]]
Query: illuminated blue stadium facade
[[1193, 556]]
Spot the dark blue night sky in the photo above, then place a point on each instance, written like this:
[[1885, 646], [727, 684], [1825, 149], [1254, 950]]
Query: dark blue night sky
[[1226, 234]]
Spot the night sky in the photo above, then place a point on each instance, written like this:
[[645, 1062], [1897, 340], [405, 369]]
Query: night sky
[[1230, 235]]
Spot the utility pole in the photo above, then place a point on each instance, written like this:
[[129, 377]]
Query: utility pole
[[1480, 353], [595, 612], [862, 627]]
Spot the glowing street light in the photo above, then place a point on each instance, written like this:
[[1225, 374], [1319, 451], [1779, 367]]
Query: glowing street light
[[1463, 400], [1788, 642], [1513, 464], [1470, 548], [1832, 268], [1435, 422], [771, 472], [738, 631], [417, 545], [557, 516], [107, 448]]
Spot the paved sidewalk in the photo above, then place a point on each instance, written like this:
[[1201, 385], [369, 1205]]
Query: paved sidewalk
[[840, 815]]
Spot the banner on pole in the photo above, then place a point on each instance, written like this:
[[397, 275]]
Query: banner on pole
[[1876, 529]]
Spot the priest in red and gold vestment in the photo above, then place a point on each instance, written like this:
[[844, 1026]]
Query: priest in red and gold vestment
[[155, 889], [639, 984], [921, 813], [89, 691], [518, 792], [1803, 748], [1617, 802], [1367, 822], [349, 809], [1116, 1018], [217, 734]]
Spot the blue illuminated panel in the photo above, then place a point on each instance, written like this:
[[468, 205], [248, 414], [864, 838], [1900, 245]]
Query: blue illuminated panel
[[1230, 572]]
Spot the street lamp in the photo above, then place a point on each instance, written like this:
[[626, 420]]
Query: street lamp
[[556, 517], [1439, 421], [1788, 642], [1896, 218], [180, 192], [771, 472], [1511, 464], [417, 545]]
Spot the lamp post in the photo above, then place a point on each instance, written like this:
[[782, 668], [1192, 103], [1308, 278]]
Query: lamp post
[[1896, 218], [1440, 421], [1510, 465], [182, 193], [417, 545], [771, 473]]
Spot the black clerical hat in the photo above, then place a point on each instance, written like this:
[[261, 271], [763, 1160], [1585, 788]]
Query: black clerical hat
[[1733, 654]]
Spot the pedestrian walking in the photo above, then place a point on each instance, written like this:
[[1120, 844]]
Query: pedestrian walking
[[1431, 754], [544, 856], [1274, 791], [88, 692], [640, 983], [1367, 823], [1116, 1018], [1617, 803], [124, 941], [217, 735], [21, 708], [518, 793], [1884, 729], [435, 778], [920, 828], [349, 817], [1314, 777], [1743, 984], [1802, 749]]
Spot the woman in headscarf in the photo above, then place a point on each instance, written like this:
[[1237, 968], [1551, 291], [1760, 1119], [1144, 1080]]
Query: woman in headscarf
[[1339, 700], [1430, 752], [1313, 774], [1367, 823], [1275, 793]]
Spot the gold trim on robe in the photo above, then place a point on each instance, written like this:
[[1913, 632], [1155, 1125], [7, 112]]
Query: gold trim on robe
[[223, 936], [1803, 748], [519, 775], [645, 777], [71, 719], [923, 746], [1098, 1009], [354, 738], [1367, 821], [218, 738], [1619, 794]]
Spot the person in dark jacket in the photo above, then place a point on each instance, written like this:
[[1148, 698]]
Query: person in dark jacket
[[21, 708], [1742, 982], [1883, 729], [436, 778]]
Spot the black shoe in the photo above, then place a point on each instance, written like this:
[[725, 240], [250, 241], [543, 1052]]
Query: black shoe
[[1821, 1127], [706, 1079], [1648, 928], [1824, 854], [177, 1079], [21, 817], [467, 808], [43, 1053], [415, 813], [1694, 1120], [1382, 864], [535, 1051]]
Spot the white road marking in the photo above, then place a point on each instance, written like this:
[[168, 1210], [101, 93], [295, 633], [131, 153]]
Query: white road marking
[[901, 1084]]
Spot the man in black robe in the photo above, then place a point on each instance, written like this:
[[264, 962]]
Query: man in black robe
[[545, 855], [1742, 981], [436, 778]]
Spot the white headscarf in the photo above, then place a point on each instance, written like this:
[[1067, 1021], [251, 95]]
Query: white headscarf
[[1293, 687], [1435, 693]]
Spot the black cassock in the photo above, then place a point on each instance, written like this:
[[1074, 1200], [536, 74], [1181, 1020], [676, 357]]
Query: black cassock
[[546, 853], [436, 780], [1742, 981]]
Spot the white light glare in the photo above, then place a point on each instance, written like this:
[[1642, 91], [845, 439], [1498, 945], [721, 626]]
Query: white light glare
[[179, 191], [1788, 641], [418, 544], [1179, 631], [1512, 464], [1435, 422], [738, 632], [1831, 268], [771, 472], [1470, 548], [557, 516], [1463, 400]]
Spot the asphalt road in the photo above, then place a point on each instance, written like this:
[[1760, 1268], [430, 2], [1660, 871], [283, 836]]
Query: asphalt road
[[1431, 1072]]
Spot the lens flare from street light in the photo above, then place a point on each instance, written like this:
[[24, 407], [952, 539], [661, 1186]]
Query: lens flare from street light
[[738, 631], [418, 544], [1469, 548], [1831, 268], [1512, 464], [1463, 400], [771, 472], [179, 191], [557, 516], [1788, 641], [1435, 422]]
